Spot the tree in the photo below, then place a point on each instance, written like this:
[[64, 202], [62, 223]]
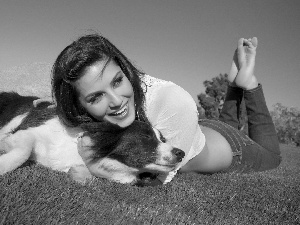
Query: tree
[[287, 123], [213, 99]]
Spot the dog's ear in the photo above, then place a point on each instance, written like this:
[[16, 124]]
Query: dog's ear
[[147, 179], [105, 137]]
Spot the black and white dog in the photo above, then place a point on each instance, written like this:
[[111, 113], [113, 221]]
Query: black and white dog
[[135, 155]]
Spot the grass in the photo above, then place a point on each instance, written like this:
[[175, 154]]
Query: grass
[[36, 195]]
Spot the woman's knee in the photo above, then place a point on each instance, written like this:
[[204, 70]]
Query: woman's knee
[[271, 162]]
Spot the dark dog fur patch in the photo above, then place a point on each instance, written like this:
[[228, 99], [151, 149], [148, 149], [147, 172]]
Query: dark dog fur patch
[[12, 104], [134, 145], [37, 116]]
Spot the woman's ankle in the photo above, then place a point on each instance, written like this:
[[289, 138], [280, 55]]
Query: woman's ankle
[[258, 87], [234, 87], [252, 84]]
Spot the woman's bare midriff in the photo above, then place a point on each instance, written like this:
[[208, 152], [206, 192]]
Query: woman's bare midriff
[[215, 156]]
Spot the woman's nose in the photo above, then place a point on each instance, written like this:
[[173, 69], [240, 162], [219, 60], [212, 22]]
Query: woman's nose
[[115, 99]]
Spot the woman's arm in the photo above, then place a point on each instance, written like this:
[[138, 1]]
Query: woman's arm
[[173, 111]]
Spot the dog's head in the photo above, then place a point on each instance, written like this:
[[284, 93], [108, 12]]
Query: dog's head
[[135, 154]]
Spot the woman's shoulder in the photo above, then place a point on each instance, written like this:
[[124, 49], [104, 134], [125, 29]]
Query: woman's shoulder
[[150, 81], [164, 93], [153, 86]]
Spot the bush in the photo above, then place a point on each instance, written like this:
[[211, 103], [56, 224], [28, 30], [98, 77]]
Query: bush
[[287, 123]]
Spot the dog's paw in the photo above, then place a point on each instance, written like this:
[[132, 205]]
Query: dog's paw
[[80, 174]]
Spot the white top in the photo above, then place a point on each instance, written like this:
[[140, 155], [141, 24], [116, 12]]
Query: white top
[[173, 111]]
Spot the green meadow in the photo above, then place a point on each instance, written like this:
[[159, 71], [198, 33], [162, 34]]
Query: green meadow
[[37, 195], [34, 194]]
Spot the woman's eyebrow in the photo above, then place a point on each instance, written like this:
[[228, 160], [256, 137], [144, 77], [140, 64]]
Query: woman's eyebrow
[[116, 76]]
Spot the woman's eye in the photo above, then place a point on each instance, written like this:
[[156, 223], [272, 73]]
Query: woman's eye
[[96, 98], [118, 81]]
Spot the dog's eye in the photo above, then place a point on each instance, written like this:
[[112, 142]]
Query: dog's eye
[[162, 138], [147, 135]]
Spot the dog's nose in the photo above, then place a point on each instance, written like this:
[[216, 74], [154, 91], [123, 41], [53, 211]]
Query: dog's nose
[[179, 153], [81, 134]]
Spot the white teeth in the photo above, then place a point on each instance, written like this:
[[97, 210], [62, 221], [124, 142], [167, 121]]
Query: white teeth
[[122, 112]]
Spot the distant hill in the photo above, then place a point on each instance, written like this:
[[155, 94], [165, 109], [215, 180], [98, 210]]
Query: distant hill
[[28, 79]]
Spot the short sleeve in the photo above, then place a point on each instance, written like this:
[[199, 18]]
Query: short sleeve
[[173, 111]]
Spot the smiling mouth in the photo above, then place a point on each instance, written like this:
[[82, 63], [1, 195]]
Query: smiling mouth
[[122, 112]]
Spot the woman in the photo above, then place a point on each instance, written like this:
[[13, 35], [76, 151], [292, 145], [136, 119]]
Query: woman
[[93, 81]]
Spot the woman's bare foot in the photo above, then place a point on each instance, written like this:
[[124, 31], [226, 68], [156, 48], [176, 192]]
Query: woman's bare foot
[[242, 69]]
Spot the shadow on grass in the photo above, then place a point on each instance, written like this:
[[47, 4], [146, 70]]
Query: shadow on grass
[[36, 195]]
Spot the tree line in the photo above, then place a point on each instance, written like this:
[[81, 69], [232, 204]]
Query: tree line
[[286, 119]]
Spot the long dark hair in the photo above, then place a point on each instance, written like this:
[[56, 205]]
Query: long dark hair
[[69, 67]]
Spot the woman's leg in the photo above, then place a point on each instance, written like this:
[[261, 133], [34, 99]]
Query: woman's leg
[[261, 130], [231, 110], [223, 142], [259, 153], [264, 153]]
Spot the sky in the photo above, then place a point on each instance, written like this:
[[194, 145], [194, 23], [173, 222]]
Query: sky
[[186, 42]]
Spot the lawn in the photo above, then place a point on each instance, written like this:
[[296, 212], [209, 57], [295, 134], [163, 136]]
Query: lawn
[[36, 195]]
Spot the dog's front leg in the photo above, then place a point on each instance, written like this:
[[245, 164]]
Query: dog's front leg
[[17, 150], [80, 173]]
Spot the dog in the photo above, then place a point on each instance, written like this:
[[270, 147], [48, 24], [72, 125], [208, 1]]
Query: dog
[[136, 154]]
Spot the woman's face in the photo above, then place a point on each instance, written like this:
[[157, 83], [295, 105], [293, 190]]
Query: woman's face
[[106, 93]]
